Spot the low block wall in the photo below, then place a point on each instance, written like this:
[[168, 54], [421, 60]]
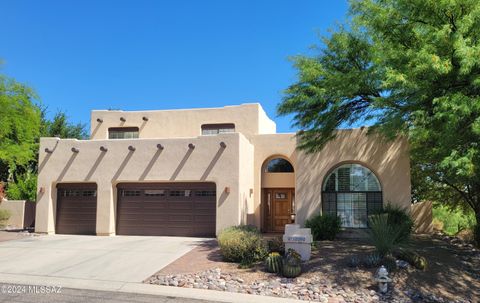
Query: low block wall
[[17, 212], [422, 217]]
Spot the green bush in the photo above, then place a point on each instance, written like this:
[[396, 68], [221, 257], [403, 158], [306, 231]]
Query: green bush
[[384, 235], [4, 216], [242, 244], [25, 187], [324, 227], [453, 220]]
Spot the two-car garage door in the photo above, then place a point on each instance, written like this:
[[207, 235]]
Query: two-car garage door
[[166, 209], [154, 209]]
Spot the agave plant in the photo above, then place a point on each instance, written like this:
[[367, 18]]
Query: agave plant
[[384, 235]]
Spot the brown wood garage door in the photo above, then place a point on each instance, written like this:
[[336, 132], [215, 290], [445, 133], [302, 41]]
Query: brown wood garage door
[[167, 209], [76, 209]]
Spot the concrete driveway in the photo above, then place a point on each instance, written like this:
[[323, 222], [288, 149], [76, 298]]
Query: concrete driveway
[[119, 258]]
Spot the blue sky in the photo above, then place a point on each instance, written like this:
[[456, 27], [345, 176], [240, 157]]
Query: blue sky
[[134, 55]]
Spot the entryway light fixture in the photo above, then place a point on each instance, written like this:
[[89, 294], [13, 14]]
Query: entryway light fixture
[[160, 146], [75, 150], [99, 120], [227, 189], [145, 119], [123, 119], [191, 146], [48, 150], [292, 217], [223, 145], [103, 148], [131, 148]]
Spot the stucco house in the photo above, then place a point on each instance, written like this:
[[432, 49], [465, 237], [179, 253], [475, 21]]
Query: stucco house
[[194, 172]]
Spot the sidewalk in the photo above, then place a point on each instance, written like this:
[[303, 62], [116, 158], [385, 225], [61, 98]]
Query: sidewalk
[[141, 288]]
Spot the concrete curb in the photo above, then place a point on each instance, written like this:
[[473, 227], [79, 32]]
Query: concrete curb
[[141, 288]]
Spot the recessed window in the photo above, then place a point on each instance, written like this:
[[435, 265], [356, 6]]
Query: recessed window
[[123, 133], [215, 129], [279, 165], [352, 192], [155, 192], [180, 193]]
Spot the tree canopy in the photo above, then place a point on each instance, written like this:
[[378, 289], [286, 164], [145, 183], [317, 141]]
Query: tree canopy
[[22, 122], [407, 67]]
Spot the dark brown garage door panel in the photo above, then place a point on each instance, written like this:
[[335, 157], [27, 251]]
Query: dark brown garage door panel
[[76, 209], [166, 209]]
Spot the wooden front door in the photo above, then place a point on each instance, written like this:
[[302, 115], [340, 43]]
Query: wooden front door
[[278, 207]]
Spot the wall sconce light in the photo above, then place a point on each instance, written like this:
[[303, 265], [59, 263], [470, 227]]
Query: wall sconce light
[[191, 146], [145, 119], [41, 190], [123, 119], [227, 189], [251, 191], [160, 146], [48, 150], [75, 150], [292, 217], [99, 120], [103, 148], [223, 145], [131, 148]]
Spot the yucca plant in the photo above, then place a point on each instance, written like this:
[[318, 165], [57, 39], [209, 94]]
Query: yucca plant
[[384, 235]]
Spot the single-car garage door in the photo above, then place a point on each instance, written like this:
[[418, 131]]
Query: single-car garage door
[[76, 209], [167, 209]]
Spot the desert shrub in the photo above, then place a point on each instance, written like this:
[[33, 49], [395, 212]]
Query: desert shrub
[[452, 220], [324, 227], [276, 245], [399, 217], [242, 244], [372, 260], [384, 235], [4, 216]]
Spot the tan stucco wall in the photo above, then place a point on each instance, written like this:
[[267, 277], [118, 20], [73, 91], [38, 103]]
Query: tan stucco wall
[[423, 217], [17, 211], [249, 119], [388, 160], [207, 162], [267, 147], [238, 167]]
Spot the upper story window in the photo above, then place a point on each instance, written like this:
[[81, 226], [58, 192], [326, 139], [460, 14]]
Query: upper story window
[[279, 165], [215, 129], [123, 133]]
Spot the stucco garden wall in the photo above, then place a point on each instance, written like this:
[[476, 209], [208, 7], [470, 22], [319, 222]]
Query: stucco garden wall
[[16, 208], [207, 162]]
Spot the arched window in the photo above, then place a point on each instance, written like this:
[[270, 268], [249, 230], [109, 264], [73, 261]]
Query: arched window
[[352, 192], [278, 165]]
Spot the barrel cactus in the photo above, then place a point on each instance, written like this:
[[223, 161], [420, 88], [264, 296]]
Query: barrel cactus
[[292, 264], [273, 262]]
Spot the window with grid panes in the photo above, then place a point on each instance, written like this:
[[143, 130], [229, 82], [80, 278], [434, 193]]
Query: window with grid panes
[[352, 192]]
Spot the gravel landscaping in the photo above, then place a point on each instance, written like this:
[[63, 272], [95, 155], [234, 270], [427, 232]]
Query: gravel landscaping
[[452, 275]]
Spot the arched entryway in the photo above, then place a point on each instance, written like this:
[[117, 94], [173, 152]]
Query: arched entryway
[[352, 192], [278, 194]]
